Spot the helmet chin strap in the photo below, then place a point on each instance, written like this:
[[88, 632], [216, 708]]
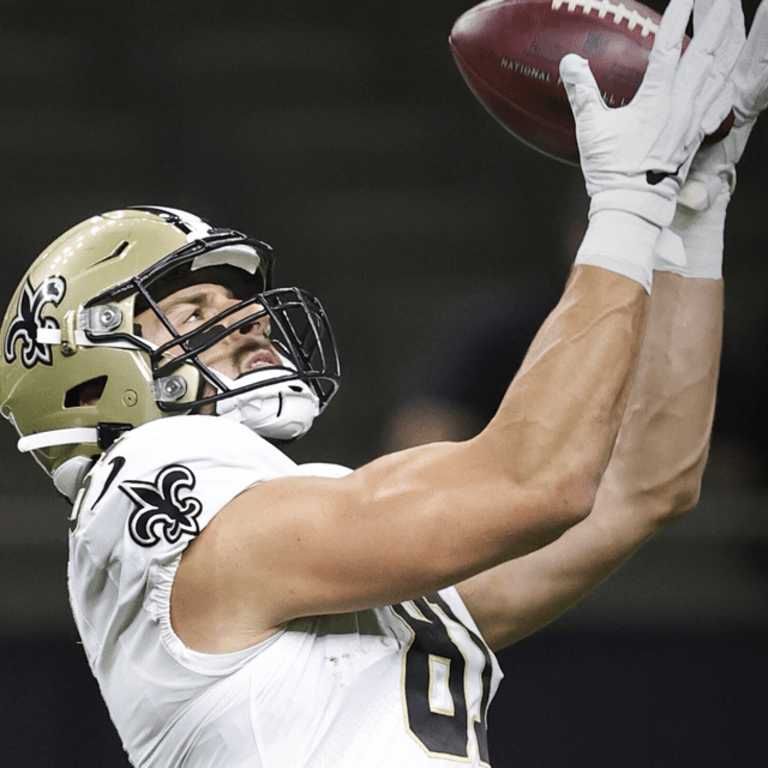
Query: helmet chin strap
[[284, 410]]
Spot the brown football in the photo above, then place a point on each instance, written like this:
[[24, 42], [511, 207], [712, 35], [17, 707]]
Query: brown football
[[509, 53]]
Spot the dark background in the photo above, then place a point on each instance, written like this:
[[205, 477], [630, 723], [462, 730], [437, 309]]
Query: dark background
[[342, 133]]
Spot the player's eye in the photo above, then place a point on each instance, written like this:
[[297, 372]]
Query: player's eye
[[194, 317]]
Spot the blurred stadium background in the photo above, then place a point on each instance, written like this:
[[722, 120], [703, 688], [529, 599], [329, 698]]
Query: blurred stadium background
[[342, 133]]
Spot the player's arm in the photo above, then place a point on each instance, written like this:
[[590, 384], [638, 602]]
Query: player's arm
[[412, 522], [653, 477], [415, 521], [656, 468]]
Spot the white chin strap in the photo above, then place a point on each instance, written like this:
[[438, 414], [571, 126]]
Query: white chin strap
[[282, 411], [71, 436]]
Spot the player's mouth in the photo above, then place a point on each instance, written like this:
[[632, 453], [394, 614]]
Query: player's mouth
[[262, 359]]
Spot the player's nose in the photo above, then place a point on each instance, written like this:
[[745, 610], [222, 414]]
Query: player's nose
[[256, 320]]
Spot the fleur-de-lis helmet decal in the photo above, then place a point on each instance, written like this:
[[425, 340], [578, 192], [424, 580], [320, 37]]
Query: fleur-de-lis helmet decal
[[28, 321]]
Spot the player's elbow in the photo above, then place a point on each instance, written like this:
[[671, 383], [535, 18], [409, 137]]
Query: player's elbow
[[567, 499], [564, 484], [684, 489], [665, 502], [564, 496], [563, 506], [684, 496], [576, 493]]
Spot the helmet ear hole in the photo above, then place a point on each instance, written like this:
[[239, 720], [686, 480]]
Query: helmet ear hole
[[87, 393]]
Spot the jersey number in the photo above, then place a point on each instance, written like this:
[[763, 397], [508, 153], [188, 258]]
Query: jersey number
[[435, 694]]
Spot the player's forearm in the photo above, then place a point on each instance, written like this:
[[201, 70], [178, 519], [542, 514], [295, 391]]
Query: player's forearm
[[558, 421], [656, 468], [654, 474], [659, 458]]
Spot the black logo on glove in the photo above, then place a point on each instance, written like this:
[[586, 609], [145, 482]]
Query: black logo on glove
[[656, 177], [28, 321], [160, 511]]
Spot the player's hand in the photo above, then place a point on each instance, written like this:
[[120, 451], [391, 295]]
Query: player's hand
[[635, 158], [693, 244], [713, 171]]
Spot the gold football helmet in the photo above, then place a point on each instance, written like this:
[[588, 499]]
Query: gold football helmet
[[69, 331]]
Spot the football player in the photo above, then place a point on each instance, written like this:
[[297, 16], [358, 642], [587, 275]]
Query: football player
[[238, 609]]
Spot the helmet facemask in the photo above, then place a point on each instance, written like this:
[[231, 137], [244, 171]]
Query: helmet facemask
[[279, 402]]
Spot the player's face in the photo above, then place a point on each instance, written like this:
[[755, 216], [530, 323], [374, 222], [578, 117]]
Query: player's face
[[245, 350]]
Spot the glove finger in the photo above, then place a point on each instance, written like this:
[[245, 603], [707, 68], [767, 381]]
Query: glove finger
[[665, 54], [709, 58], [700, 10], [702, 7], [717, 111], [751, 73], [579, 82]]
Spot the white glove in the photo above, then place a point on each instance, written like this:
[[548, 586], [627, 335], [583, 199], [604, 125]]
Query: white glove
[[714, 167], [636, 157], [697, 231]]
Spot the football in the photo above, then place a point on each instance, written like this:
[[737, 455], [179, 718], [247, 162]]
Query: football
[[509, 53]]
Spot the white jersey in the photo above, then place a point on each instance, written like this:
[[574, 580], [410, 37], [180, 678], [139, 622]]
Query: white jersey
[[406, 685]]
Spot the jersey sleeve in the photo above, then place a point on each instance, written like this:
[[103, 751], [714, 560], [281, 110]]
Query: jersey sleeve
[[160, 485], [142, 504]]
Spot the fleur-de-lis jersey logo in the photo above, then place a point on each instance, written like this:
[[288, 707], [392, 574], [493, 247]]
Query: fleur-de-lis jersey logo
[[28, 321], [160, 511]]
